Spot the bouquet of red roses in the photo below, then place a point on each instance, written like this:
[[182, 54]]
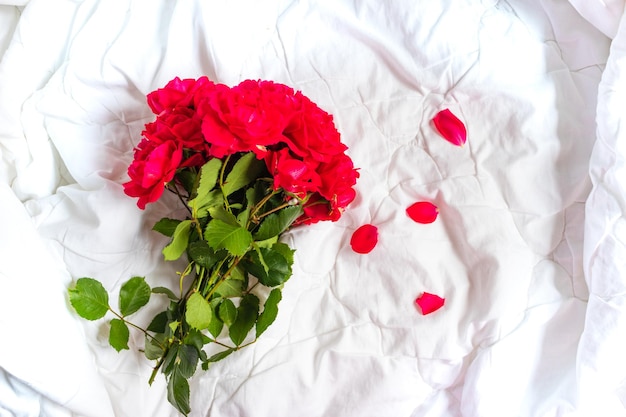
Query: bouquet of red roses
[[247, 163]]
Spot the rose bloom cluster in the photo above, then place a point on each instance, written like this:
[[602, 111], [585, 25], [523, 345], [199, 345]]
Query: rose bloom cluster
[[198, 119]]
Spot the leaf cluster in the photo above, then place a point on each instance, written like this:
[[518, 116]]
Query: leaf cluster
[[231, 241]]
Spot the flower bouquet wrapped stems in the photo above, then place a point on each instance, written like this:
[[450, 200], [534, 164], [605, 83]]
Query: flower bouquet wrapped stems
[[247, 163]]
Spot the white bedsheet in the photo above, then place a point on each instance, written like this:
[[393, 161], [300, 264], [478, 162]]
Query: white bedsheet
[[528, 249]]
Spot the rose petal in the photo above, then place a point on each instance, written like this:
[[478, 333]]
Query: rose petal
[[364, 239], [450, 127], [429, 302], [423, 212]]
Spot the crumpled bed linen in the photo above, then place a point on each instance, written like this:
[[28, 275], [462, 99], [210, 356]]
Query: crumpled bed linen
[[532, 277]]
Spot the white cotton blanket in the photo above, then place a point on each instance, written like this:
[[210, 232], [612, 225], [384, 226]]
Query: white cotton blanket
[[527, 249]]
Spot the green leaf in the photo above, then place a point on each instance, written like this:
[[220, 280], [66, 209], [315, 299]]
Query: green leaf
[[216, 325], [244, 216], [238, 273], [228, 312], [224, 215], [201, 253], [166, 226], [196, 339], [279, 268], [247, 314], [166, 291], [277, 223], [245, 170], [211, 199], [259, 259], [204, 196], [153, 347], [173, 325], [208, 176], [178, 392], [229, 288], [187, 360], [89, 299], [159, 323], [169, 362], [118, 335], [235, 239], [284, 250], [179, 241], [221, 355], [199, 312], [267, 243], [134, 294], [270, 311]]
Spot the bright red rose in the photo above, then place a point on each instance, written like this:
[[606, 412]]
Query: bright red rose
[[247, 117], [292, 174], [338, 175], [317, 209], [180, 125], [178, 93], [258, 111], [311, 132], [198, 120], [153, 167], [216, 132]]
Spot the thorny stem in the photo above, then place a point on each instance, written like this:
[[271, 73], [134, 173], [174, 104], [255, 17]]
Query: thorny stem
[[213, 277], [274, 210], [260, 204], [222, 171], [174, 189], [224, 276], [183, 274], [155, 370]]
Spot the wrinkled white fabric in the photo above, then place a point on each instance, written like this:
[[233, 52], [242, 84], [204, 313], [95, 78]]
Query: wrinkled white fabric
[[506, 251], [603, 14], [601, 365]]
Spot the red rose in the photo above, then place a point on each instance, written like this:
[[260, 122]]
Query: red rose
[[292, 174], [247, 117], [214, 129], [318, 209], [338, 177], [180, 125], [153, 167], [258, 111], [311, 133], [178, 93]]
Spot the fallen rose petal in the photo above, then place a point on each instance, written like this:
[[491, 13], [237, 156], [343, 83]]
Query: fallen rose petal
[[429, 302], [450, 127], [423, 212], [364, 239]]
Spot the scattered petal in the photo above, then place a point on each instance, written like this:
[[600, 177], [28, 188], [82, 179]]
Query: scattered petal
[[450, 127], [364, 239], [429, 302], [423, 212]]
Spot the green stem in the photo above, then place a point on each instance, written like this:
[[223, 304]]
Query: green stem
[[174, 190], [220, 343], [223, 277], [259, 205], [247, 344], [274, 210], [183, 274], [222, 171], [157, 367], [213, 277]]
